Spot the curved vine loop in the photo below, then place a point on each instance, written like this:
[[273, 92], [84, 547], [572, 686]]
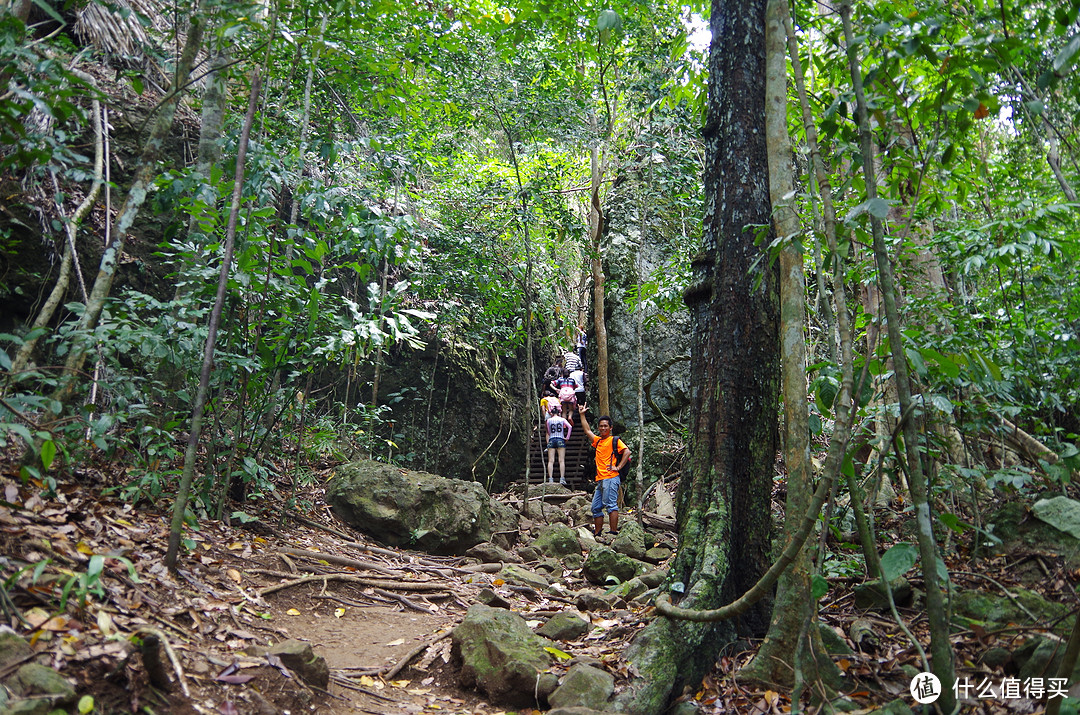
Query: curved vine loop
[[648, 390]]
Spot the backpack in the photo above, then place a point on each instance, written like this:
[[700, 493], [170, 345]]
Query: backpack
[[616, 455]]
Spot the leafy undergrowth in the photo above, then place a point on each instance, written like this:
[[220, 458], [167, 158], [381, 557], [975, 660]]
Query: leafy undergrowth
[[86, 584]]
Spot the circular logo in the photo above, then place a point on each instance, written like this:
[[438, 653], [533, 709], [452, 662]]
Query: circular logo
[[925, 688]]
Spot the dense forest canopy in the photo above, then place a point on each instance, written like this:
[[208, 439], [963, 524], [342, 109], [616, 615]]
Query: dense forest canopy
[[240, 238]]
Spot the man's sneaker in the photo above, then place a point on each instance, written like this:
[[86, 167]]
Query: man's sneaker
[[563, 483]]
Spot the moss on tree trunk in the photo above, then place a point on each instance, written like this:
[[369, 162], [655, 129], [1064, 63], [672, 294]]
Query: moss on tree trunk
[[724, 495]]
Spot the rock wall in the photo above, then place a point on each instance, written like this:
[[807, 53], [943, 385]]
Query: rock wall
[[457, 410], [666, 337]]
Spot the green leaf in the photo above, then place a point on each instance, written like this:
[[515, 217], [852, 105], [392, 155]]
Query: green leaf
[[942, 569], [847, 468], [947, 366], [1035, 106], [95, 567], [136, 84], [971, 104], [86, 704], [948, 154], [814, 423], [898, 560], [1064, 59], [818, 586], [608, 20], [942, 404], [48, 453], [916, 361], [953, 522], [878, 207]]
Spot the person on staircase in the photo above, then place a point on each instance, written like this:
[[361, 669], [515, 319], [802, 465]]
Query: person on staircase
[[582, 346], [567, 393], [578, 376], [552, 374], [558, 431], [612, 454], [571, 361]]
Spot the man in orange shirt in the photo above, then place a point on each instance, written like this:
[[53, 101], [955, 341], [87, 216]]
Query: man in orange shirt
[[612, 454]]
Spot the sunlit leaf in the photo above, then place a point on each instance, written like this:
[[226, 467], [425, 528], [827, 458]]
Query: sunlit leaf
[[560, 655]]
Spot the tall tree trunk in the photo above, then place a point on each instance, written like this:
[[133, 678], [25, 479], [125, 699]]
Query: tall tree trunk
[[787, 656], [596, 221], [212, 120], [734, 378], [940, 647], [180, 505], [145, 171]]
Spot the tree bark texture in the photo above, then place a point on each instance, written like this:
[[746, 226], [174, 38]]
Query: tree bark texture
[[724, 494], [596, 227], [786, 657]]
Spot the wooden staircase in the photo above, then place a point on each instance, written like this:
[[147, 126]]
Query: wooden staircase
[[578, 455]]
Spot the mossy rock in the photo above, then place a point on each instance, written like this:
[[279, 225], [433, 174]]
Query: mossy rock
[[1016, 526], [871, 595], [1040, 657], [833, 642], [982, 607], [13, 648], [565, 626], [500, 655], [402, 507], [557, 541], [631, 540], [584, 686], [521, 576], [603, 563]]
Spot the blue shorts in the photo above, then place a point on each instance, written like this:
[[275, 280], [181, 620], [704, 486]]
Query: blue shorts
[[606, 496], [556, 443]]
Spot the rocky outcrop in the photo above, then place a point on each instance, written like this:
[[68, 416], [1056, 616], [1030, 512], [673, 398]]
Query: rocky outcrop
[[423, 511], [665, 336]]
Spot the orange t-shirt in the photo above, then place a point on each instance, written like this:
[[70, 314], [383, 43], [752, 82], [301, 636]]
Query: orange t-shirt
[[606, 462]]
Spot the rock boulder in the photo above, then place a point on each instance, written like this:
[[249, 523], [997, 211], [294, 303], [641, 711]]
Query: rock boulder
[[501, 656], [401, 507]]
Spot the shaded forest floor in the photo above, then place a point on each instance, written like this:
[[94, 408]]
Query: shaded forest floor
[[380, 617]]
